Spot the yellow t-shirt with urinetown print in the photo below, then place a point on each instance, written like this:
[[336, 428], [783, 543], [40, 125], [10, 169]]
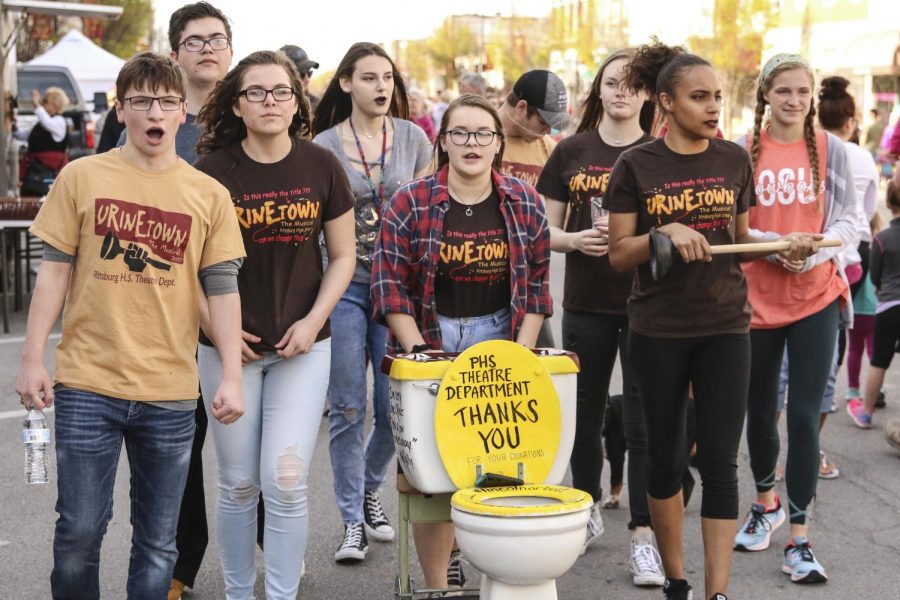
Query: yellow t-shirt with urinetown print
[[139, 239]]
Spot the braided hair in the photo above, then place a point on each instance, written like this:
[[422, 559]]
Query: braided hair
[[776, 65]]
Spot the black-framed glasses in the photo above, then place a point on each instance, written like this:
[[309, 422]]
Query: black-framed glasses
[[144, 103], [195, 44], [461, 137], [258, 94]]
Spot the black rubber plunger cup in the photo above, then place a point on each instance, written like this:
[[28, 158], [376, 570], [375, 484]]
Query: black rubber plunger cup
[[661, 254]]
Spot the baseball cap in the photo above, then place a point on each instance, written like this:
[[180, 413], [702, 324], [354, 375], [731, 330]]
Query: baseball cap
[[300, 58], [546, 92]]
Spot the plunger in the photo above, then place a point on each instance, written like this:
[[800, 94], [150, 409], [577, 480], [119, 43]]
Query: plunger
[[663, 253]]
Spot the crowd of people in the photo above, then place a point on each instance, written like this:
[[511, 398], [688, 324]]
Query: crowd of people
[[306, 237]]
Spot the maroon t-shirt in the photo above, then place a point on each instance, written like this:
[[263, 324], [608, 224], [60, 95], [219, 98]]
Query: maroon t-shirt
[[473, 270], [579, 169], [281, 208], [704, 191]]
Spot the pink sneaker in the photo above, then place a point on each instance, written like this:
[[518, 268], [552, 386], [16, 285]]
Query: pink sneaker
[[857, 412]]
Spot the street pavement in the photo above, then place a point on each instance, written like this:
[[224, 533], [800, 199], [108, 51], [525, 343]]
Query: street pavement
[[855, 531]]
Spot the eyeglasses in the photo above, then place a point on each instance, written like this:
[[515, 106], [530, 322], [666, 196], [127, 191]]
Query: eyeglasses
[[144, 103], [195, 44], [256, 94], [461, 137]]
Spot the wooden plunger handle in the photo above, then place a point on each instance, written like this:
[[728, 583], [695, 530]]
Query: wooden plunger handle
[[767, 247]]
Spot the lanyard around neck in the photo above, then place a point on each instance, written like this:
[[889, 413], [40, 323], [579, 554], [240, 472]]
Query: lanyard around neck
[[378, 196]]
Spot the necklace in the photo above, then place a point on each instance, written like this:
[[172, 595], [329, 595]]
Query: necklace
[[479, 198], [610, 141], [379, 195], [368, 136]]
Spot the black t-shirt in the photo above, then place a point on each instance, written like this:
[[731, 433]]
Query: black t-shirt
[[704, 191], [578, 169], [473, 270], [281, 208]]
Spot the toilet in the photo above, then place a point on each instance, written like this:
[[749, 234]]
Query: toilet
[[503, 416]]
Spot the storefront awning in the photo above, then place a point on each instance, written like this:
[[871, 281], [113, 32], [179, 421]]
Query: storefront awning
[[874, 53]]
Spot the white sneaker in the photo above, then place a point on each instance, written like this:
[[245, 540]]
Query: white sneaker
[[594, 527], [646, 564]]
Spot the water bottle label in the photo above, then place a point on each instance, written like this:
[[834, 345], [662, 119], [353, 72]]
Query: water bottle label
[[36, 436]]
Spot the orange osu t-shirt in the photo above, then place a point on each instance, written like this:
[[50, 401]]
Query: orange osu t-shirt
[[786, 203]]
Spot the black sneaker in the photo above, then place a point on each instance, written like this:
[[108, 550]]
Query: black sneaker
[[718, 597], [354, 547], [377, 526], [677, 589], [880, 401], [455, 575]]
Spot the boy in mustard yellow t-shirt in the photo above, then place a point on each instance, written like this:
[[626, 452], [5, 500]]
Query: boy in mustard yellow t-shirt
[[130, 236]]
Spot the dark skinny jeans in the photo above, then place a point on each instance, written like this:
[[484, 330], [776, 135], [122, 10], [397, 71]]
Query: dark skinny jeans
[[718, 366]]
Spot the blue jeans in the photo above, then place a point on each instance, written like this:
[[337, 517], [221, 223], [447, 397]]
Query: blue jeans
[[359, 465], [457, 334], [90, 429], [269, 450]]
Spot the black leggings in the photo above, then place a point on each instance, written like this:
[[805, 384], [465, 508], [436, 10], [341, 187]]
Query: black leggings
[[718, 367], [192, 536], [810, 346], [595, 338]]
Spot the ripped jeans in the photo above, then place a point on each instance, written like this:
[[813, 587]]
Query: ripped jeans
[[359, 462], [269, 450]]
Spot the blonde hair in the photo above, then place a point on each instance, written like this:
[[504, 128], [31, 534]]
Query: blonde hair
[[57, 98], [774, 66]]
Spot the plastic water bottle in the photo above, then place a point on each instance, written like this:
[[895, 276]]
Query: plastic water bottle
[[36, 436]]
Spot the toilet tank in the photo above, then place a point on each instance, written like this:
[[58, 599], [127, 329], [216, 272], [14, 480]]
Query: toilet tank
[[415, 380]]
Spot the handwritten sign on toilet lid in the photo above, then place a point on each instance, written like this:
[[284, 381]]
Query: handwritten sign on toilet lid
[[497, 407]]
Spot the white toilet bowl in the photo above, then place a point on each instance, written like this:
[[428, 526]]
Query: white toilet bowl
[[520, 538], [498, 410]]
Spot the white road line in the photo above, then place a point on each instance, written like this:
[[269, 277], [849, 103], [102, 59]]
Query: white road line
[[19, 340]]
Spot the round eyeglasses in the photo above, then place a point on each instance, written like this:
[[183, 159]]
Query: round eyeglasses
[[144, 103], [195, 44], [281, 94], [461, 137]]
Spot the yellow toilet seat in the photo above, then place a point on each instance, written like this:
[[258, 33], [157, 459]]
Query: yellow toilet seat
[[521, 501]]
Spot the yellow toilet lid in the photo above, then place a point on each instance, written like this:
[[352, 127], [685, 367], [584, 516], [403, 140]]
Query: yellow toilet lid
[[497, 411], [521, 501]]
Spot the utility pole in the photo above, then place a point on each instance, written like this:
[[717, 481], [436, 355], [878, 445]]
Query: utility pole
[[5, 138]]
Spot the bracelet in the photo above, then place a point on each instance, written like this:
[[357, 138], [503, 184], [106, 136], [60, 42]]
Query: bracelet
[[420, 348]]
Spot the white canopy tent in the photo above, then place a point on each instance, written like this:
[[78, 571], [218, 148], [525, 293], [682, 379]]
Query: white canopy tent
[[94, 68]]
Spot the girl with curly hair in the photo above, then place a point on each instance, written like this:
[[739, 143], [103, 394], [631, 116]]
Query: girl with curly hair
[[287, 192]]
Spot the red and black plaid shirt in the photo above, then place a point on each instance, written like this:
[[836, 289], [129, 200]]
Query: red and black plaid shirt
[[407, 251]]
